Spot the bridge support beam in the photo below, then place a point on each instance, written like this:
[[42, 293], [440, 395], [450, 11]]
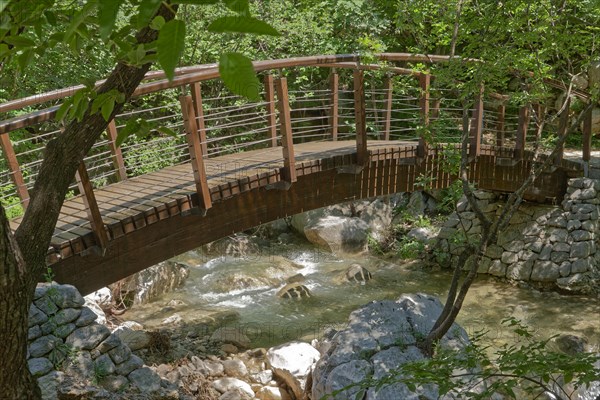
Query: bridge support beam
[[521, 132], [587, 136], [477, 125], [195, 149], [15, 170], [500, 125], [199, 115], [287, 141], [91, 206], [424, 82], [362, 154], [334, 82], [563, 123], [388, 89], [270, 99], [117, 155]]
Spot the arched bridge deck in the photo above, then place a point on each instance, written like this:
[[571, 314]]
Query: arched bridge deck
[[113, 229]]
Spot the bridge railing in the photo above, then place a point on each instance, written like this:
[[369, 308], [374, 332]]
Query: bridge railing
[[348, 100]]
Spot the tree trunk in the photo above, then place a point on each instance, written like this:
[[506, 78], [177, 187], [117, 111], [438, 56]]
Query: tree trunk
[[19, 272], [16, 292]]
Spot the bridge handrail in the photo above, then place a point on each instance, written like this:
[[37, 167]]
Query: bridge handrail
[[193, 75]]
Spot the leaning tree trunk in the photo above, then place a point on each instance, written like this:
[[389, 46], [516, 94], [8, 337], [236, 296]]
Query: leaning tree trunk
[[20, 270], [16, 289]]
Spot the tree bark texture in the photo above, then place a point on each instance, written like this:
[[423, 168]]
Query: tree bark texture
[[15, 297], [20, 271]]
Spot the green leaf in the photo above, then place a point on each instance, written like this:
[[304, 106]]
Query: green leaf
[[146, 11], [4, 4], [170, 45], [4, 50], [198, 2], [64, 108], [19, 41], [79, 19], [239, 6], [157, 23], [25, 59], [242, 24], [107, 109], [107, 15], [132, 126], [239, 76], [167, 131]]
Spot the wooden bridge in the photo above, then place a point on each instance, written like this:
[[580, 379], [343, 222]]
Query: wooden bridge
[[358, 131]]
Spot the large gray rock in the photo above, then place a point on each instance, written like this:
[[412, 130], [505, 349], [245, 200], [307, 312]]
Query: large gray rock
[[36, 316], [88, 337], [43, 345], [65, 296], [154, 281], [291, 363], [339, 234], [39, 366], [135, 339], [380, 337], [224, 385], [145, 379]]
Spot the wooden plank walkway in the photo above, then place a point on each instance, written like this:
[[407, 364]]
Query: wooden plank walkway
[[130, 205]]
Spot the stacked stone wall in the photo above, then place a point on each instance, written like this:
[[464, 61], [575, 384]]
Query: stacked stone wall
[[555, 245], [66, 342]]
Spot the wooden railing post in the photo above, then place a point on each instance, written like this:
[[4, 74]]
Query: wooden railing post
[[334, 83], [424, 83], [476, 125], [587, 135], [287, 141], [195, 149], [199, 116], [434, 111], [563, 123], [270, 99], [388, 89], [500, 125], [91, 206], [362, 154], [522, 126], [117, 155], [15, 170]]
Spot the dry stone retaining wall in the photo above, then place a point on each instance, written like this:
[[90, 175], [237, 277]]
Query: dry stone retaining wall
[[66, 342], [553, 245]]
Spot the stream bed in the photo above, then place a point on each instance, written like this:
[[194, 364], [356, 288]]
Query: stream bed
[[242, 290]]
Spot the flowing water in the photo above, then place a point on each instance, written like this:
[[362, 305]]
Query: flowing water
[[247, 287]]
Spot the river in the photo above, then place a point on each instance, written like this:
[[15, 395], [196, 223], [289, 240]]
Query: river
[[247, 287]]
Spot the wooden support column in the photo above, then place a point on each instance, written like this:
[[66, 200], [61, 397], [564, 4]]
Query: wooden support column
[[434, 111], [424, 83], [271, 117], [287, 142], [521, 132], [388, 89], [117, 155], [362, 154], [500, 125], [334, 83], [91, 206], [199, 116], [476, 125], [15, 170], [563, 124], [195, 149], [587, 136]]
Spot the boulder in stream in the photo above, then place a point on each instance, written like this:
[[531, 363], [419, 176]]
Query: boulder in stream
[[379, 337]]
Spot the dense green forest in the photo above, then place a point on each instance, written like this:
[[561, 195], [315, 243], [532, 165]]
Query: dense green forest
[[555, 38], [509, 46]]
